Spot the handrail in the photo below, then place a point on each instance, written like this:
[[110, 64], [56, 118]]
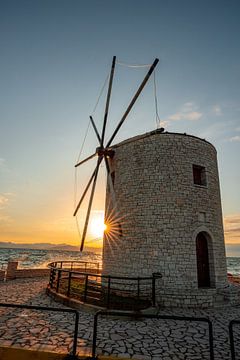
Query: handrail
[[111, 286], [44, 308], [100, 275], [231, 337], [92, 265], [150, 316], [75, 261]]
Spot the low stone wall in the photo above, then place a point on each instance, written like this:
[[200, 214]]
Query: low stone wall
[[31, 273], [14, 273]]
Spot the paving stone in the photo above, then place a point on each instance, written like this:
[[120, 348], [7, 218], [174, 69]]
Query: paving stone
[[167, 340]]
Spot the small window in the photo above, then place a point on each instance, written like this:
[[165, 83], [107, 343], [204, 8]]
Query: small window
[[199, 175]]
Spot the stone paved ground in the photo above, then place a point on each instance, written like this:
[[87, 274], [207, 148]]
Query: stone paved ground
[[145, 339]]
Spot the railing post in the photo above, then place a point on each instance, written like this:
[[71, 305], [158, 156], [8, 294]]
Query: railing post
[[94, 342], [108, 291], [51, 278], [85, 290], [138, 288], [58, 279], [74, 350], [210, 327], [231, 338], [69, 283], [153, 290]]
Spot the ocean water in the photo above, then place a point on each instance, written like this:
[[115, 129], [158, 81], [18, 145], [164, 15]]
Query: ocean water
[[28, 258]]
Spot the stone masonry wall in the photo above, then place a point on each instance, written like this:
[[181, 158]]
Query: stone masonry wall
[[159, 211]]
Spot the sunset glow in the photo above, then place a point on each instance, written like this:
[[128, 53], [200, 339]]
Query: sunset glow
[[97, 225], [54, 74]]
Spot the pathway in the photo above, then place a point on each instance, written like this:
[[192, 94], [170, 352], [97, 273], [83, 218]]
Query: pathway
[[145, 339]]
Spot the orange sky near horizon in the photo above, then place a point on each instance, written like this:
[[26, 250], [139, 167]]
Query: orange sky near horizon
[[62, 228]]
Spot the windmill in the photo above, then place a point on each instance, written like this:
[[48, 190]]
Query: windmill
[[104, 151]]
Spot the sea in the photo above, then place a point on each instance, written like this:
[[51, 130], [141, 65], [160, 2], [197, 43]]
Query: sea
[[29, 258]]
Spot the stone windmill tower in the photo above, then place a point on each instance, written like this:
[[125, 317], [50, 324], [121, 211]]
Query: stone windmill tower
[[163, 211], [168, 209]]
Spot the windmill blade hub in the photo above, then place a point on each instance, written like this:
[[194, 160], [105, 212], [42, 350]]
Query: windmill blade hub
[[105, 152]]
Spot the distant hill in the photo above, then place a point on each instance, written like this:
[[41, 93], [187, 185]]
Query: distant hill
[[45, 246]]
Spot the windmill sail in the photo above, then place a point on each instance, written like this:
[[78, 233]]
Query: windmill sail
[[105, 151]]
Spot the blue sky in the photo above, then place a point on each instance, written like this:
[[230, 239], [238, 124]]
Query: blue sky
[[55, 56]]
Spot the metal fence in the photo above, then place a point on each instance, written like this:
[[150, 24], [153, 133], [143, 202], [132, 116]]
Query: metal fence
[[72, 354], [84, 282], [159, 317], [135, 316]]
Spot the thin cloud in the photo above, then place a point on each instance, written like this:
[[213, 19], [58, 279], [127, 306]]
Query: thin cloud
[[164, 123], [5, 219], [216, 109], [232, 219], [234, 138], [3, 200], [232, 228], [189, 111]]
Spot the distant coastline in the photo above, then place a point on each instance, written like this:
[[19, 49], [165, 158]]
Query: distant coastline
[[46, 246], [232, 250]]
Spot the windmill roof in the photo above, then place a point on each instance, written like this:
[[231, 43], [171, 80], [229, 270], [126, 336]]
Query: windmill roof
[[158, 132]]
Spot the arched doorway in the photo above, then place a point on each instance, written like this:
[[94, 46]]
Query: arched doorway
[[202, 260]]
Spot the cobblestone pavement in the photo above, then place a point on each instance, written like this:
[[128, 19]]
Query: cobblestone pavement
[[143, 339]]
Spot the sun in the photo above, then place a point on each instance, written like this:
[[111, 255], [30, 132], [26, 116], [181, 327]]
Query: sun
[[97, 226]]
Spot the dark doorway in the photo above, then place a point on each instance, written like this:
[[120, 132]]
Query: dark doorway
[[202, 261]]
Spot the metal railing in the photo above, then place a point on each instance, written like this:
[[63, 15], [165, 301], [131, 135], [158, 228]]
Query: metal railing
[[135, 316], [44, 308], [77, 265], [231, 337], [89, 286], [150, 316]]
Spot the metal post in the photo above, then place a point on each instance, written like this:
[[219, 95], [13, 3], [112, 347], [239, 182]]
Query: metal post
[[58, 280], [85, 290], [231, 338], [153, 290], [138, 288], [69, 283], [51, 278], [74, 350], [211, 340], [108, 292], [94, 342]]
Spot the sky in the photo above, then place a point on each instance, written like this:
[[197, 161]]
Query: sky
[[55, 57]]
